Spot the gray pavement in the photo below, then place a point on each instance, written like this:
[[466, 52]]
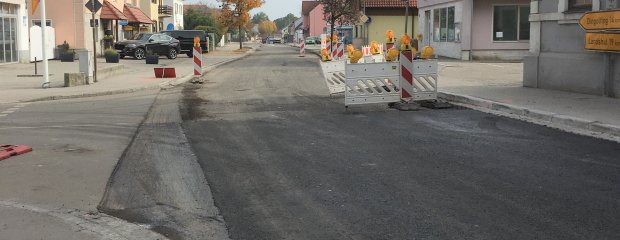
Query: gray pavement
[[498, 88], [53, 191], [133, 76], [286, 161]]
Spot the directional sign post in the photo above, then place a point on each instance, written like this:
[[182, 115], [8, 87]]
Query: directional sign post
[[604, 20], [94, 6], [603, 41]]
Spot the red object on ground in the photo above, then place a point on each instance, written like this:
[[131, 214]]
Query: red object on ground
[[7, 151], [165, 73]]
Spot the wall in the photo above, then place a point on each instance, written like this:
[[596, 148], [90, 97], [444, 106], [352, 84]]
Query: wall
[[558, 60], [22, 31], [381, 24], [458, 49], [177, 17], [482, 26], [317, 22]]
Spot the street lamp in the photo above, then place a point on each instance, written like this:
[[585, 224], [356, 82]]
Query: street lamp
[[406, 2], [238, 15]]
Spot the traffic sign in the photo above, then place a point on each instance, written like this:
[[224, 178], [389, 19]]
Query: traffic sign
[[604, 20], [89, 5], [609, 42]]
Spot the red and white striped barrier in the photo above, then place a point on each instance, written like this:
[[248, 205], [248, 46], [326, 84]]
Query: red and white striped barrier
[[335, 51], [329, 48], [418, 78], [340, 51], [406, 74], [197, 61], [302, 49]]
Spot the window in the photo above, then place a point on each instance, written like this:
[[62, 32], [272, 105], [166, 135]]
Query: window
[[443, 25], [579, 5], [511, 23], [37, 22], [610, 4]]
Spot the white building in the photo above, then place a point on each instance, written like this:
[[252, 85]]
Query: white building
[[13, 32], [175, 20]]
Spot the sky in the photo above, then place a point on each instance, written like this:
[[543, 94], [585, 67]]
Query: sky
[[273, 8]]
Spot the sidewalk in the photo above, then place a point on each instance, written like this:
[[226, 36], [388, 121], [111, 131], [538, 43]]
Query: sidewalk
[[497, 88], [128, 76]]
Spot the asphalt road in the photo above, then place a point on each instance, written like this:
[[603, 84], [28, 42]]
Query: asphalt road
[[286, 161]]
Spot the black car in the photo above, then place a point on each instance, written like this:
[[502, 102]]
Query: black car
[[159, 44], [186, 38]]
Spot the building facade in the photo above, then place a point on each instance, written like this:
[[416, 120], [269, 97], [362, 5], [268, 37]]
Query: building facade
[[71, 22], [14, 45], [174, 21], [476, 29], [558, 59], [387, 15], [151, 9]]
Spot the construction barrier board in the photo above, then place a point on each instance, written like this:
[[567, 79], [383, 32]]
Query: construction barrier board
[[333, 72], [418, 78], [372, 83]]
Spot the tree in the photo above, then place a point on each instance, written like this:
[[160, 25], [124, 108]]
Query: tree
[[193, 18], [341, 12], [283, 22], [236, 13], [267, 27], [259, 17]]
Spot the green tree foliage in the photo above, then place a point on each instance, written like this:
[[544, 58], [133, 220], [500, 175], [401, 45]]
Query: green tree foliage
[[193, 18], [283, 22], [259, 17]]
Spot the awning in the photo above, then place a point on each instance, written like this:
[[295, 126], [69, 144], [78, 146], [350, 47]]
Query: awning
[[135, 15], [110, 12]]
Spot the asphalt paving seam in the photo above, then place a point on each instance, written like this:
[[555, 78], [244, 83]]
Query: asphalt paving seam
[[103, 225]]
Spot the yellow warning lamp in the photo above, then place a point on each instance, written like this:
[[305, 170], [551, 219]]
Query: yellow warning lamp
[[196, 41], [389, 37], [392, 55], [427, 52], [356, 56], [405, 43]]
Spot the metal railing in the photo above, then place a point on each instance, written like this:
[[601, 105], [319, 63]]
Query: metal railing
[[166, 10]]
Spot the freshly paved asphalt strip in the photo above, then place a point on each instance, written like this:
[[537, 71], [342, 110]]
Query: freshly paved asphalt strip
[[158, 181], [286, 161]]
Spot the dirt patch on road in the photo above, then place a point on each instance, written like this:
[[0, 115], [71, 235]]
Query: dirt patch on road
[[191, 104]]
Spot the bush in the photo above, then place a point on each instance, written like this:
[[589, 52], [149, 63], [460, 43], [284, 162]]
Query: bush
[[110, 52], [63, 48], [210, 29]]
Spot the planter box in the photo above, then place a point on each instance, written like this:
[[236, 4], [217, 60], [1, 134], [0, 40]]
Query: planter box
[[67, 57], [152, 59], [112, 58]]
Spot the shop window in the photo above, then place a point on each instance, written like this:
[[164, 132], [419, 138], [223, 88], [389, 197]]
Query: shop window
[[511, 23], [37, 22], [444, 29], [579, 5], [610, 4]]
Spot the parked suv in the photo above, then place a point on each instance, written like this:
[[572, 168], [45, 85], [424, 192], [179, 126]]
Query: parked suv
[[186, 38], [138, 47]]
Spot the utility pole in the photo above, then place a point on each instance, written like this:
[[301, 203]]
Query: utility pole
[[406, 15], [95, 28], [46, 76], [239, 22]]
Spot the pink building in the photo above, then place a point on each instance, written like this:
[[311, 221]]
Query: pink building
[[314, 23], [71, 21]]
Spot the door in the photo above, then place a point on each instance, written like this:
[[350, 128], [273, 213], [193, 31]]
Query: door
[[427, 27]]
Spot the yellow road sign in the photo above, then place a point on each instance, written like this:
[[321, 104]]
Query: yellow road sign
[[604, 20], [603, 41]]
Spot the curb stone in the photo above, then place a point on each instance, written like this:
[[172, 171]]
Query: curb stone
[[165, 84], [563, 122]]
